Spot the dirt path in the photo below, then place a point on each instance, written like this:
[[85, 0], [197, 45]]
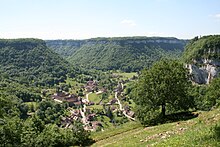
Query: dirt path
[[120, 105], [122, 86], [83, 110], [87, 96], [128, 116]]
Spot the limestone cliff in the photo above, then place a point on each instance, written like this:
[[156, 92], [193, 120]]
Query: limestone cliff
[[204, 71], [203, 58]]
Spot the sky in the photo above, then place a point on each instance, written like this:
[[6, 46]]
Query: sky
[[83, 19]]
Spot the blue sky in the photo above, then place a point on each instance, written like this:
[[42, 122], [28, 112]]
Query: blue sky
[[81, 19]]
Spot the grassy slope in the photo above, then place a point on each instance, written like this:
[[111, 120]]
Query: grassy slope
[[193, 132]]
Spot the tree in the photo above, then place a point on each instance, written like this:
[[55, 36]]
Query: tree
[[10, 132], [213, 92], [164, 86]]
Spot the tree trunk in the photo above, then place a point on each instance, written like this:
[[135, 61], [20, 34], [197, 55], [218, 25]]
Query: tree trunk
[[163, 109]]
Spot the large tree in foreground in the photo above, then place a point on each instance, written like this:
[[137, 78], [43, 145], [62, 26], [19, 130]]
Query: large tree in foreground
[[164, 86]]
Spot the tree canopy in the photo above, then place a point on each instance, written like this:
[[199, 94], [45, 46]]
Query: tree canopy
[[206, 47], [162, 89]]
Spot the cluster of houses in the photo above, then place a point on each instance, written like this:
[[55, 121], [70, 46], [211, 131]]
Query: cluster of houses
[[66, 122], [129, 112], [71, 99], [78, 110], [91, 123], [91, 86], [76, 103]]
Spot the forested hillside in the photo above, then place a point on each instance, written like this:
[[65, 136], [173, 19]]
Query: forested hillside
[[206, 47], [29, 61], [125, 53], [203, 58], [64, 47]]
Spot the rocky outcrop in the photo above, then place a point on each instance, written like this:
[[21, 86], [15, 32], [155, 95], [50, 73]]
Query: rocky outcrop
[[204, 70], [202, 56]]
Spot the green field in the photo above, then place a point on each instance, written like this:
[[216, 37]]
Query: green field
[[94, 97], [192, 132], [126, 75], [95, 107]]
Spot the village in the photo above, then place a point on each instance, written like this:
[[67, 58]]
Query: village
[[97, 108]]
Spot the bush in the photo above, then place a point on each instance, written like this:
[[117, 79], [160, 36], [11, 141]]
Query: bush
[[216, 132], [201, 99]]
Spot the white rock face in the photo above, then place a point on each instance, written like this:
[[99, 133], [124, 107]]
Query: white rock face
[[203, 71]]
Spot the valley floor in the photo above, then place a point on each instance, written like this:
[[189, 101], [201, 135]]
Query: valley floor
[[193, 132]]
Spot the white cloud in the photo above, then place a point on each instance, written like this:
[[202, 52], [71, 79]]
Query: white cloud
[[128, 22], [217, 16]]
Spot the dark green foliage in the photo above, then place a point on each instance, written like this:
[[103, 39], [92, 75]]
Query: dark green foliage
[[206, 96], [29, 61], [203, 100], [206, 47], [109, 113], [12, 98], [56, 137], [198, 94], [216, 131], [213, 92], [39, 130], [127, 54], [50, 112], [163, 88], [65, 48], [11, 132], [26, 94], [15, 132]]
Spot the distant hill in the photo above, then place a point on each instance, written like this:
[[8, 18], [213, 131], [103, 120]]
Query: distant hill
[[203, 58], [65, 48], [124, 53], [30, 61]]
